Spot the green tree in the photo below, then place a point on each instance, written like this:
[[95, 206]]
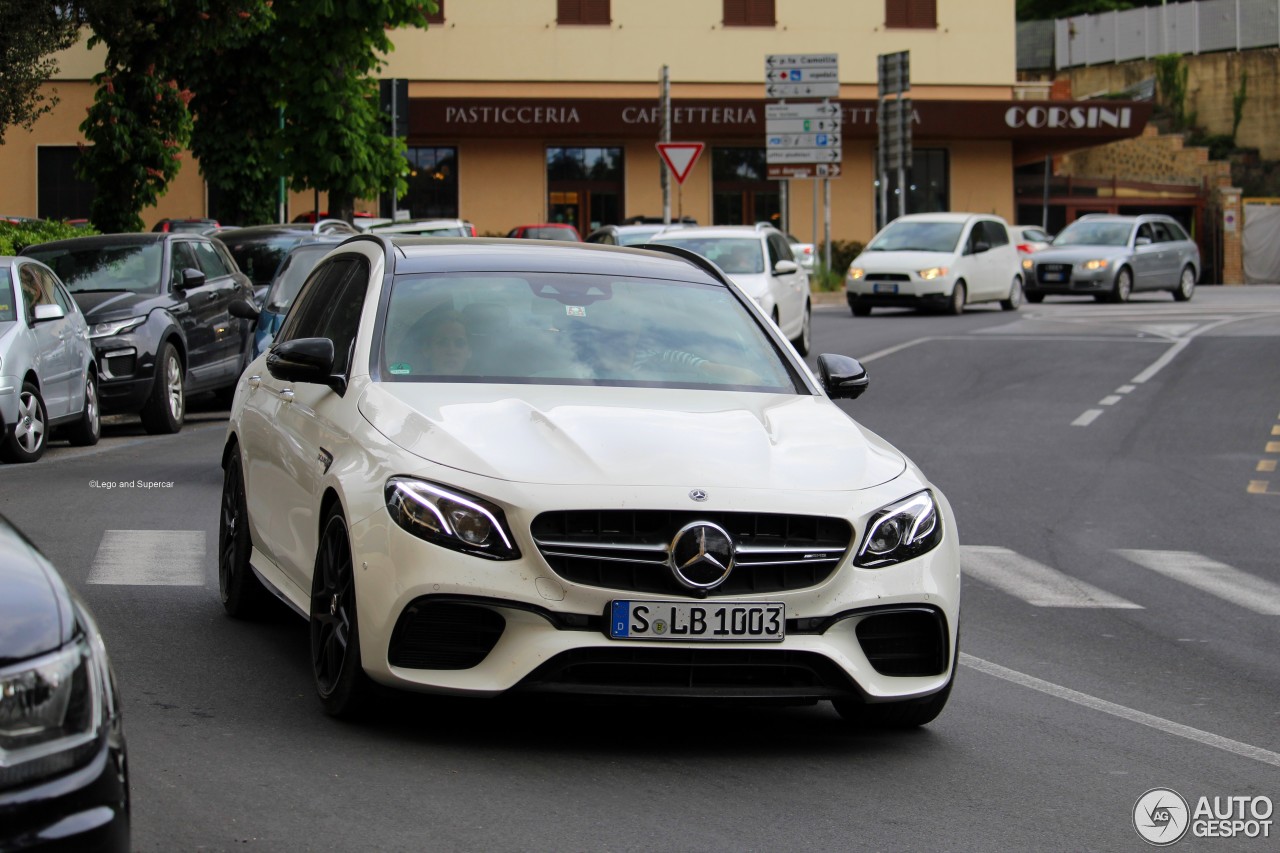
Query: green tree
[[1041, 10], [30, 33], [328, 54], [139, 123]]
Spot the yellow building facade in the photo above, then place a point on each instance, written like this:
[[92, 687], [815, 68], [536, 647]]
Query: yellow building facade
[[527, 111]]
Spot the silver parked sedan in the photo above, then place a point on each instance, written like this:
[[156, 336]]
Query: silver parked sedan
[[47, 374], [1110, 257]]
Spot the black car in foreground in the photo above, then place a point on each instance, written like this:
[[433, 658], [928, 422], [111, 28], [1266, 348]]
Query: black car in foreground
[[64, 782], [158, 308]]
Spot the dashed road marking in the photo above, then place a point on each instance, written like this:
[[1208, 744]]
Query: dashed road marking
[[150, 558], [1034, 582], [1207, 575], [1087, 418]]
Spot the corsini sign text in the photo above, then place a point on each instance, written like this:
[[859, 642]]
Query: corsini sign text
[[1069, 118]]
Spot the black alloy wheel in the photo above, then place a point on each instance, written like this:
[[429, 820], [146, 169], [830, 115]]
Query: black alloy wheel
[[243, 595], [340, 680]]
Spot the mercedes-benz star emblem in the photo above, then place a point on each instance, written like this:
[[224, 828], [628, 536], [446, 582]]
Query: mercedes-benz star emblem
[[698, 495], [702, 555]]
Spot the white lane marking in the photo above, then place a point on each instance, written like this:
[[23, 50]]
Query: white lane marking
[[1226, 744], [899, 348], [1172, 353], [1087, 418], [1218, 579], [1110, 400], [150, 558], [1125, 389], [1033, 582]]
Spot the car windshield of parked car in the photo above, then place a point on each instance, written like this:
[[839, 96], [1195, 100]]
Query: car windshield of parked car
[[559, 328], [918, 237], [133, 267], [260, 257], [1085, 233], [293, 273], [550, 234], [734, 255], [8, 303]]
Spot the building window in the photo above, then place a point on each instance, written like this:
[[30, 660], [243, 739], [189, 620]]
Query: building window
[[928, 184], [59, 193], [741, 192], [433, 185], [436, 17], [584, 187], [749, 13], [592, 12], [911, 14]]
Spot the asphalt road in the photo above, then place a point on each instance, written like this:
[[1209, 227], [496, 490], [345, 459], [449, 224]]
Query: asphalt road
[[1110, 466]]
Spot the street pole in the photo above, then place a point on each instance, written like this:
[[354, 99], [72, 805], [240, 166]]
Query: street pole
[[826, 222], [664, 100]]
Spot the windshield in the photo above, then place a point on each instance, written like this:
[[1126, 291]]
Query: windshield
[[917, 237], [132, 267], [560, 329], [260, 257], [298, 264], [550, 234], [734, 255], [1085, 233], [636, 236], [8, 304]]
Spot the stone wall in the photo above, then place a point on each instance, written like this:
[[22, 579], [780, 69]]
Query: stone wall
[[1152, 157]]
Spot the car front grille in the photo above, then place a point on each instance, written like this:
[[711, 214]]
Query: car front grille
[[628, 549], [888, 276], [905, 642], [444, 635], [743, 673]]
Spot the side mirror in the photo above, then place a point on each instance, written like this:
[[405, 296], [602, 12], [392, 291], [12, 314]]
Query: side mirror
[[49, 312], [1143, 241], [191, 278], [785, 267], [307, 360], [842, 377], [242, 309]]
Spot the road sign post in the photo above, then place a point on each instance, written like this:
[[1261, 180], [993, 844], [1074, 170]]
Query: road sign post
[[894, 118]]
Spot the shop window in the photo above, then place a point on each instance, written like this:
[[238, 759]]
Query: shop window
[[433, 185], [585, 187], [585, 12], [60, 194], [928, 184], [911, 14], [741, 192], [749, 13]]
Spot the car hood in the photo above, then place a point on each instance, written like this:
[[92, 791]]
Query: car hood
[[902, 261], [99, 307], [1076, 254], [575, 435], [35, 609]]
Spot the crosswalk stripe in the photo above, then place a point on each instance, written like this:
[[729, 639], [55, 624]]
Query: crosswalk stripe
[[1218, 579], [1033, 582], [150, 558]]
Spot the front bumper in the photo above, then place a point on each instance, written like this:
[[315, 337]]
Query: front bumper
[[921, 294], [1067, 279], [438, 621], [126, 374]]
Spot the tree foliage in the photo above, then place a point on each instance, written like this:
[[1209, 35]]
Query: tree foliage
[[30, 33], [139, 123], [1041, 10]]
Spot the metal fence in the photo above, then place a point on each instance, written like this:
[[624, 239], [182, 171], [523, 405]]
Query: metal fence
[[1196, 27]]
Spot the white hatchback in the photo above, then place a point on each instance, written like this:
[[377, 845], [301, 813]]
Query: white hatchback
[[940, 261], [477, 466]]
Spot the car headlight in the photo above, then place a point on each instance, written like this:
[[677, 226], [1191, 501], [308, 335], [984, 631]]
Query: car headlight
[[450, 519], [52, 711], [901, 531], [1097, 264], [115, 327], [1027, 263], [932, 272], [856, 273]]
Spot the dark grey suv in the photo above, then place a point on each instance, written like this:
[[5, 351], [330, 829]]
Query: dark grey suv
[[1111, 257], [158, 308]]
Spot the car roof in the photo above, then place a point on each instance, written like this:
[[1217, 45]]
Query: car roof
[[141, 238], [721, 230], [486, 254], [947, 217]]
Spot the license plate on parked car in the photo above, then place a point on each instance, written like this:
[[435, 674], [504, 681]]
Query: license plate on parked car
[[761, 622], [884, 288]]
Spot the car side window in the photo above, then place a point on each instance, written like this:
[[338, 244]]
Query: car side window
[[31, 296], [50, 285], [975, 237], [1144, 230], [996, 234], [211, 263], [330, 305], [183, 259], [1164, 234], [1176, 232], [779, 250]]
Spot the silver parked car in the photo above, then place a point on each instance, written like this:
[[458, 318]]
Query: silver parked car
[[47, 373], [1110, 257]]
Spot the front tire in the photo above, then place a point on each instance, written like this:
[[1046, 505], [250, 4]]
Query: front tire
[[805, 338], [1123, 286], [1186, 285], [243, 595], [30, 434], [340, 679], [958, 296], [1014, 302], [86, 431], [164, 410]]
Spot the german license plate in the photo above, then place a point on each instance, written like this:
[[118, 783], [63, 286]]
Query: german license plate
[[884, 288], [1052, 276], [760, 622]]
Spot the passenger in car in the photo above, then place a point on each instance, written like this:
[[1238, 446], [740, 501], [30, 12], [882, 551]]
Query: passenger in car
[[437, 344]]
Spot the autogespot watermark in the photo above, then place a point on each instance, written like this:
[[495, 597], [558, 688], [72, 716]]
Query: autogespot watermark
[[1163, 817], [130, 484]]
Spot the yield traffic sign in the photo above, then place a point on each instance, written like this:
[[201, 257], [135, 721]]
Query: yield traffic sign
[[680, 157]]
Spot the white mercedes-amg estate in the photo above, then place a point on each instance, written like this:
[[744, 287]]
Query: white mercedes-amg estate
[[480, 466]]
